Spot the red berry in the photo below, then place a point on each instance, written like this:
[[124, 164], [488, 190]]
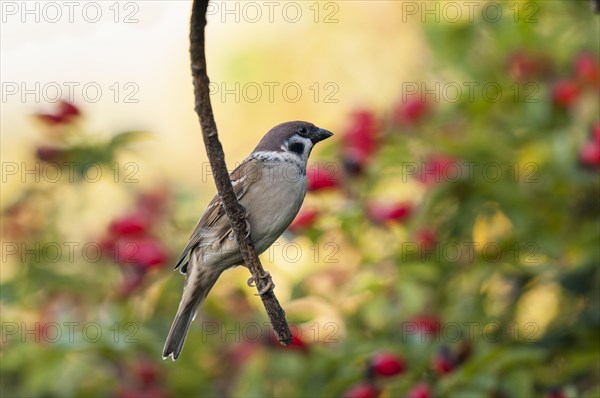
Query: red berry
[[565, 93], [411, 111], [319, 178], [147, 372], [362, 390], [426, 239], [386, 364], [360, 141], [131, 224], [67, 110], [304, 220], [363, 132], [426, 325], [296, 344], [145, 252], [442, 365], [587, 69], [420, 391], [150, 253], [589, 154], [388, 212], [443, 361], [50, 154], [438, 168], [526, 65]]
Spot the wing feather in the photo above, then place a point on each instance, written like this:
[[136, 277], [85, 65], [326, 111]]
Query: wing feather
[[213, 222]]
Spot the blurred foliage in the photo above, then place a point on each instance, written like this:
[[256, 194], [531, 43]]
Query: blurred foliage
[[466, 231]]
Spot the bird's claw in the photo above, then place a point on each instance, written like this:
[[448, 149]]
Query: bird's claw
[[267, 288], [246, 218], [247, 226], [269, 285], [232, 234]]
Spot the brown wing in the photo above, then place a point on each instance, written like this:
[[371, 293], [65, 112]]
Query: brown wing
[[213, 222]]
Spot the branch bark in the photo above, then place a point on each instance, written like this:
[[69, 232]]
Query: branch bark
[[235, 212]]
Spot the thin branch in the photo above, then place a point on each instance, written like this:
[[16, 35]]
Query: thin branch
[[235, 212]]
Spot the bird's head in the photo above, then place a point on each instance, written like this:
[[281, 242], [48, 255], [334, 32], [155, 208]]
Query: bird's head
[[294, 138]]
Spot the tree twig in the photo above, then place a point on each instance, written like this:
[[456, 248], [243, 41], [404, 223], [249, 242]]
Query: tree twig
[[235, 212]]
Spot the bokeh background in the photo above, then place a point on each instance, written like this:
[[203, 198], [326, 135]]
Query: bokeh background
[[448, 246]]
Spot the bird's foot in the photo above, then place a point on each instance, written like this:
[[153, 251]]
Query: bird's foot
[[269, 285]]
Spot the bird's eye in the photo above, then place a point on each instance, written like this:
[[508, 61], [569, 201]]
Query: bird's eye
[[302, 130]]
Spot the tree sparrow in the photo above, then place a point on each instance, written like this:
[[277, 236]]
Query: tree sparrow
[[271, 185]]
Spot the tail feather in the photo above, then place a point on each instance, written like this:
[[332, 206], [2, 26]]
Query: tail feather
[[197, 285], [178, 332]]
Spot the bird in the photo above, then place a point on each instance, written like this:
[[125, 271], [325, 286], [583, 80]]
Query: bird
[[270, 184]]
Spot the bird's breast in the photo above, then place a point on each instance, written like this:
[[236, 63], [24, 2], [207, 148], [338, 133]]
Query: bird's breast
[[273, 202]]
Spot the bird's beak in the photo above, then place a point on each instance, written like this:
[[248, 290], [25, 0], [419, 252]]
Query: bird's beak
[[320, 135]]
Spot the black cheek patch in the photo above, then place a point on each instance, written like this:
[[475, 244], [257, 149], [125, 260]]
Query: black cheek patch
[[297, 147]]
